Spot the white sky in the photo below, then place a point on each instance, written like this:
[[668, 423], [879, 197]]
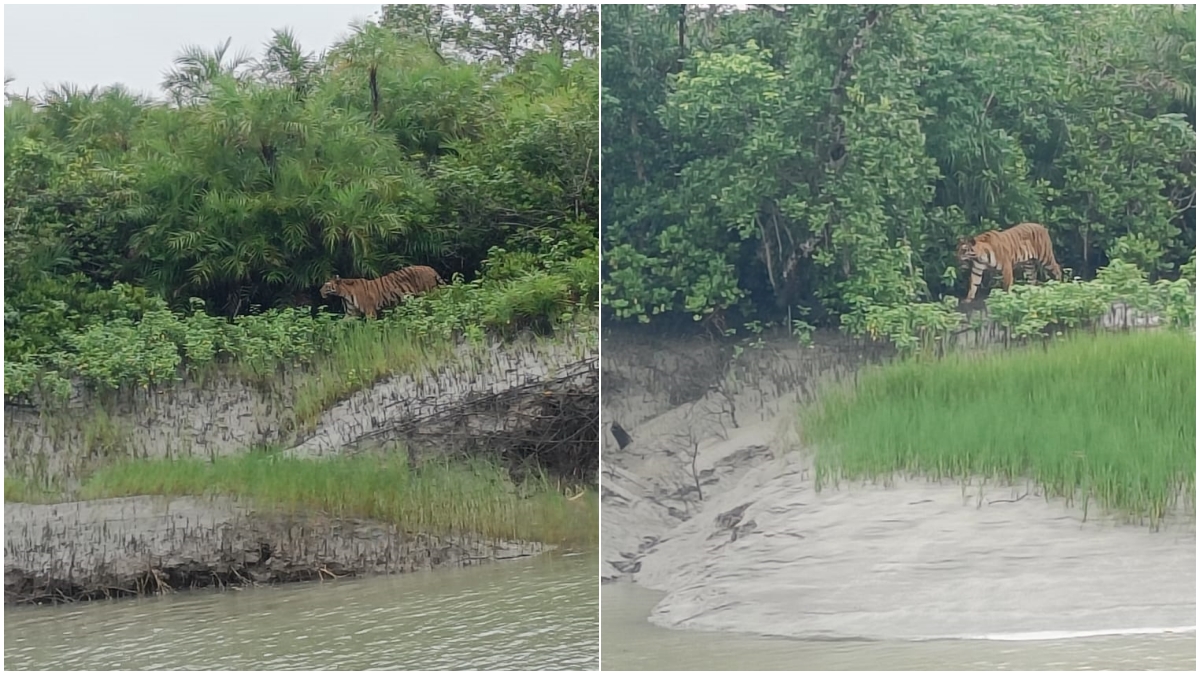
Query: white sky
[[136, 44]]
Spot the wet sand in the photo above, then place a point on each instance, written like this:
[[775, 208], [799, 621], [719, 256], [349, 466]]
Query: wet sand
[[630, 643], [764, 553]]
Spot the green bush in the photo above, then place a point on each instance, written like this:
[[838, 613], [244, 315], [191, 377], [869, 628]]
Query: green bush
[[761, 168], [132, 225], [1031, 311], [141, 342]]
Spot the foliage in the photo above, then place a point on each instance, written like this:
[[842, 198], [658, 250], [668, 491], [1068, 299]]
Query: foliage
[[1106, 419], [132, 225], [504, 33], [152, 345], [830, 156], [1029, 311], [913, 327]]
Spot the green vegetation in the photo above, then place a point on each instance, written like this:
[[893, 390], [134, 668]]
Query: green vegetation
[[147, 240], [1107, 418], [460, 497], [1027, 312], [19, 489], [828, 157], [338, 357]]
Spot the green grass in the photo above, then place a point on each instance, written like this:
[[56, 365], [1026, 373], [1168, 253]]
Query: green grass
[[21, 489], [461, 497], [1109, 418], [363, 355]]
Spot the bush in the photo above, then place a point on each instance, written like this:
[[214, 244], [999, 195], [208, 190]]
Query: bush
[[140, 342], [1030, 311]]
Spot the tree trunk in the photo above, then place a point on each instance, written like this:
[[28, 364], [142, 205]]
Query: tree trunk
[[1084, 234], [682, 35]]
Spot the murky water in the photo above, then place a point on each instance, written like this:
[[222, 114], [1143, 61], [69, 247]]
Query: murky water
[[633, 643], [539, 614]]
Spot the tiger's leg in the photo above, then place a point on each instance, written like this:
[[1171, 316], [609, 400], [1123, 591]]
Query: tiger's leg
[[1052, 265], [1007, 270], [976, 279]]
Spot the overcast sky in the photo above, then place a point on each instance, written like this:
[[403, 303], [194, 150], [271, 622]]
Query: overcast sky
[[135, 44]]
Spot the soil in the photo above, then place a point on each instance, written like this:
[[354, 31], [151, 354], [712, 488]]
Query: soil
[[528, 405], [145, 545], [725, 520]]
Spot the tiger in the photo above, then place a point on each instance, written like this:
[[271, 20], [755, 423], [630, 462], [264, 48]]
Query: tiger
[[368, 296], [1019, 245]]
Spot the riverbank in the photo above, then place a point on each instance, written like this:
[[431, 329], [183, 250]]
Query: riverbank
[[110, 548], [726, 522], [476, 458], [535, 613], [222, 412]]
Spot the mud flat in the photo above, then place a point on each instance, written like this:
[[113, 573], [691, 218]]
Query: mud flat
[[140, 545], [725, 522], [528, 402]]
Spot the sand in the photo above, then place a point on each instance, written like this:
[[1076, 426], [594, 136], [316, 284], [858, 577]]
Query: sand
[[763, 552]]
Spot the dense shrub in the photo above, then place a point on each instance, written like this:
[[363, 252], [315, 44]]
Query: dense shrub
[[144, 241], [764, 157]]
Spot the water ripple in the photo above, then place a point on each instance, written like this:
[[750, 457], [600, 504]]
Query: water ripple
[[540, 614]]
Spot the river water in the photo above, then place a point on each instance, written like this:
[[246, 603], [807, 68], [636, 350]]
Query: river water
[[536, 614], [633, 643]]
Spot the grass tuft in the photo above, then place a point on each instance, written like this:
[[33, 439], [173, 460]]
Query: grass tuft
[[473, 497], [364, 354], [1109, 418], [23, 490]]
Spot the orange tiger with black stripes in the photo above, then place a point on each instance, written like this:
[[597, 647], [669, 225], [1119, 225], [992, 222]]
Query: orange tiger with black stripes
[[1024, 245], [368, 296]]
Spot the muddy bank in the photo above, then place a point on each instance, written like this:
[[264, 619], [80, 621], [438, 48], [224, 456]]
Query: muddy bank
[[527, 403], [513, 387], [724, 520], [146, 545]]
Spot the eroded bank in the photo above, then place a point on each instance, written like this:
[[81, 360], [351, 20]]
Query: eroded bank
[[722, 517], [527, 406]]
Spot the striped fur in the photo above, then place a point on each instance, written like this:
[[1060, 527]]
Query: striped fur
[[1022, 245], [368, 296]]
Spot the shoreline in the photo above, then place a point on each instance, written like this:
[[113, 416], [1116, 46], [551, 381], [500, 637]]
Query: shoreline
[[133, 546], [643, 646], [220, 413], [763, 552], [497, 406]]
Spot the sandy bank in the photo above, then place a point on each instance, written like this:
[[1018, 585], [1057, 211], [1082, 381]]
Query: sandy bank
[[763, 552], [136, 545]]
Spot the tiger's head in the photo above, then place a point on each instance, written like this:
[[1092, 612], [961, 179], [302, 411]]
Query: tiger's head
[[332, 287], [966, 250]]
